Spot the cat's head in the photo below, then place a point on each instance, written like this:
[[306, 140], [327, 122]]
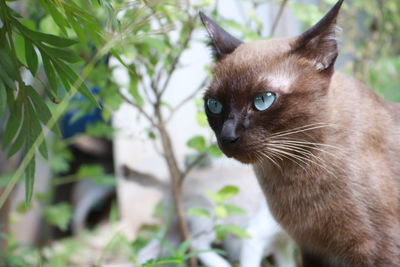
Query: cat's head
[[268, 88]]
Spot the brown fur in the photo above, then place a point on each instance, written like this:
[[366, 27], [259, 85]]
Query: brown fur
[[337, 189]]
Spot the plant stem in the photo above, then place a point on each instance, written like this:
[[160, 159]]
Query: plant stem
[[175, 176], [278, 17]]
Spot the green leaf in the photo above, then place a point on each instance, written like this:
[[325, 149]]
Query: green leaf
[[29, 181], [41, 112], [221, 211], [89, 170], [183, 247], [78, 30], [228, 191], [50, 39], [3, 98], [134, 90], [17, 144], [63, 54], [199, 212], [157, 262], [201, 118], [7, 80], [55, 14], [43, 150], [233, 209], [31, 57], [41, 109], [50, 73], [99, 129], [197, 142], [224, 194], [13, 124], [19, 45], [58, 215], [214, 151], [223, 230], [9, 65], [74, 79]]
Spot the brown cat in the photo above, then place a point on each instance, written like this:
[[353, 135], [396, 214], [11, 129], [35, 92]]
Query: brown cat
[[325, 148]]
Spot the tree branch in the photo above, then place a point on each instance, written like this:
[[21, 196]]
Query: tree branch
[[278, 17], [193, 164], [187, 99], [176, 59], [139, 108]]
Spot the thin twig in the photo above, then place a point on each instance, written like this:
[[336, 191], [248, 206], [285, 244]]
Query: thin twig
[[139, 108], [278, 17], [187, 99], [193, 164], [176, 59]]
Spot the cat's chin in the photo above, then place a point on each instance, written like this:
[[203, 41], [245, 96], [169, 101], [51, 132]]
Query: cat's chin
[[241, 157]]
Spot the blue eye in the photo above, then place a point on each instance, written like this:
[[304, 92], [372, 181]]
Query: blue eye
[[264, 101], [214, 106]]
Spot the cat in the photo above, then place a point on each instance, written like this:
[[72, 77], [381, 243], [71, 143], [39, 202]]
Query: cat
[[267, 237], [325, 148]]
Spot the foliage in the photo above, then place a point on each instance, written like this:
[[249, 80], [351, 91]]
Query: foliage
[[221, 210], [370, 47], [28, 111], [71, 42]]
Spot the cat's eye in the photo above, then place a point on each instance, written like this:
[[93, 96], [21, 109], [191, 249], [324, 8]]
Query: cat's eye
[[264, 101], [214, 106]]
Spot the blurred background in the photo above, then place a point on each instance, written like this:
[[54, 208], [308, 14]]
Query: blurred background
[[102, 128]]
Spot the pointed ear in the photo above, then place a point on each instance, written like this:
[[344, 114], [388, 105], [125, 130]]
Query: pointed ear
[[222, 43], [319, 43]]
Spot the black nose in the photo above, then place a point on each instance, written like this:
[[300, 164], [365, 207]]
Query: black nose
[[228, 134], [229, 140]]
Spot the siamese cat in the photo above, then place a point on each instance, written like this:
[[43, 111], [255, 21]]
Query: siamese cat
[[267, 237], [325, 148]]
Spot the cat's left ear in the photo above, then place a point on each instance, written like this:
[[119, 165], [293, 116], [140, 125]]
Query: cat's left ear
[[222, 42], [319, 43]]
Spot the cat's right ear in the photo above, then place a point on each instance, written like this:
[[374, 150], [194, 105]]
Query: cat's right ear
[[222, 43]]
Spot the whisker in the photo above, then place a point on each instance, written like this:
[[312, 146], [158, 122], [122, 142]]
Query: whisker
[[303, 152], [304, 159], [271, 159], [276, 151], [303, 147], [299, 131], [321, 124], [305, 143]]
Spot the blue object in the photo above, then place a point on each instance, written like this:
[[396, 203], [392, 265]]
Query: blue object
[[68, 128]]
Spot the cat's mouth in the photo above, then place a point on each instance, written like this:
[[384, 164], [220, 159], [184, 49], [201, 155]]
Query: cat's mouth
[[241, 155]]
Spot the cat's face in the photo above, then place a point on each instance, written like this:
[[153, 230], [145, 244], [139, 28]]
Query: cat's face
[[262, 90]]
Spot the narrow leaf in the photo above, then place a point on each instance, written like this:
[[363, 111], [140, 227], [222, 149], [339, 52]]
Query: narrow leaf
[[51, 75], [13, 124], [74, 80], [7, 80], [43, 150], [9, 65], [31, 56], [65, 55], [41, 109], [29, 181], [233, 209], [35, 127], [199, 212], [3, 98], [78, 30], [17, 144], [50, 39]]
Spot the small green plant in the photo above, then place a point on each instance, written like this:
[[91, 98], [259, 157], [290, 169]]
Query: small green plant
[[221, 210]]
